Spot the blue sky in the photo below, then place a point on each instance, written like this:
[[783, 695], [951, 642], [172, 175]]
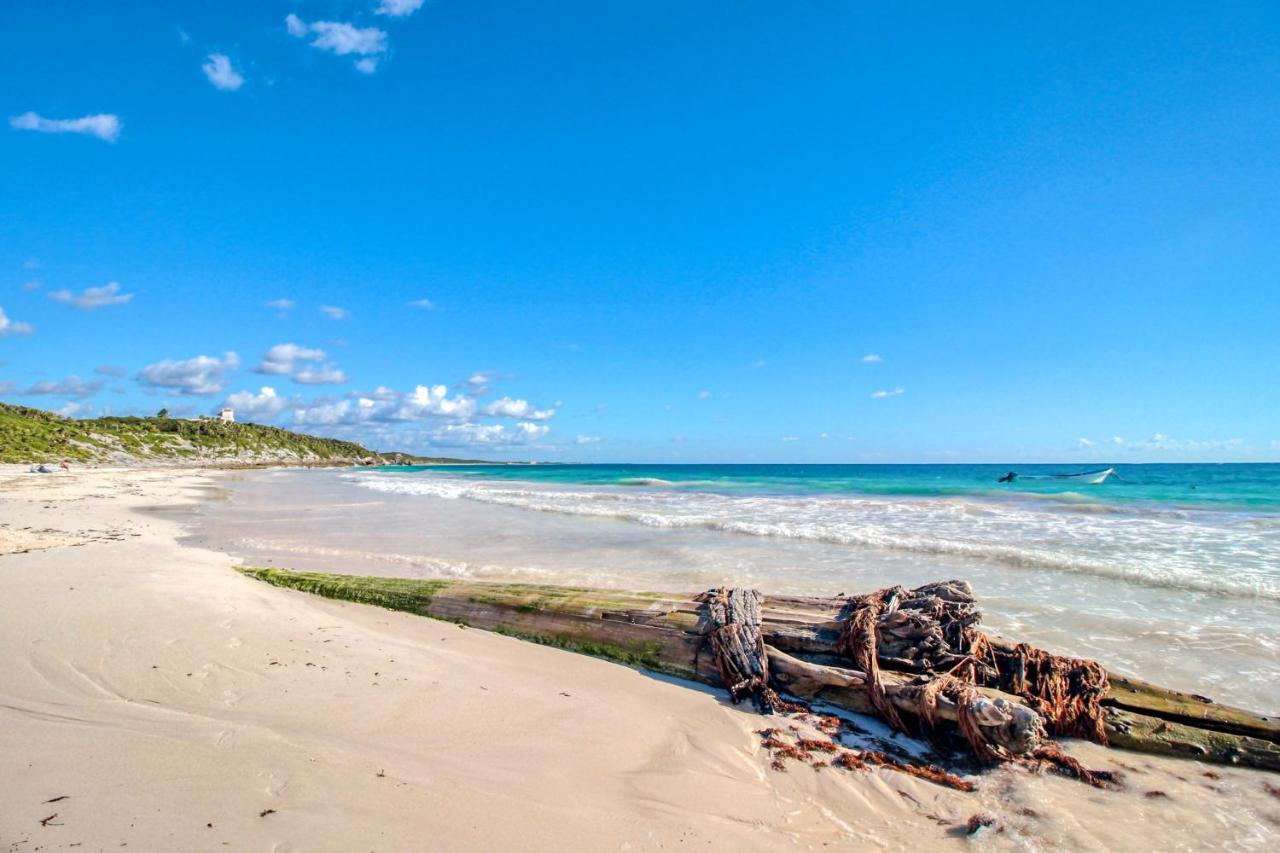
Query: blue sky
[[653, 231]]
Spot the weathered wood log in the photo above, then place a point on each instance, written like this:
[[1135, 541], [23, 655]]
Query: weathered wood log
[[665, 633]]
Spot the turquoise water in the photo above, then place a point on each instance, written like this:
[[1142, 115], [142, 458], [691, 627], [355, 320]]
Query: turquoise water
[[1207, 486]]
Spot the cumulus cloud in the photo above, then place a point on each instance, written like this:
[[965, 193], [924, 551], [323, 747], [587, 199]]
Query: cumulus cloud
[[217, 67], [871, 358], [282, 359], [280, 304], [93, 297], [13, 327], [486, 435], [880, 395], [341, 39], [334, 312], [72, 386], [302, 363], [110, 370], [506, 407], [74, 409], [324, 375], [202, 375], [398, 8], [105, 126], [388, 406], [1084, 443], [266, 405]]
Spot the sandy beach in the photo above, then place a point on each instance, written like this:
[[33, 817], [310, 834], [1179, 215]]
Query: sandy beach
[[152, 698]]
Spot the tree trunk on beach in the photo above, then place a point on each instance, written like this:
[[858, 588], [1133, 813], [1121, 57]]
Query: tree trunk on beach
[[801, 637]]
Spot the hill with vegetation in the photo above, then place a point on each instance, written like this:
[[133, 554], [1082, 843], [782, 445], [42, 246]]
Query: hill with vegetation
[[34, 435]]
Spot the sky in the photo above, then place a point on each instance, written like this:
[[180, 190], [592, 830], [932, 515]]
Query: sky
[[659, 231]]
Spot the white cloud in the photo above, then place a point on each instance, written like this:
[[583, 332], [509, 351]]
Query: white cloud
[[424, 304], [871, 358], [105, 126], [704, 395], [110, 370], [478, 383], [300, 363], [791, 438], [217, 67], [73, 409], [93, 297], [880, 395], [335, 313], [506, 407], [1160, 441], [324, 375], [760, 362], [280, 304], [587, 439], [72, 386], [1083, 443], [388, 406], [435, 400], [282, 359], [485, 435], [31, 264], [1115, 439], [266, 405], [341, 39], [33, 284], [204, 374], [398, 8], [13, 327]]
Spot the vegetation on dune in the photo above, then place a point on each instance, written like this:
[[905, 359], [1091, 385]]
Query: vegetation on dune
[[34, 435]]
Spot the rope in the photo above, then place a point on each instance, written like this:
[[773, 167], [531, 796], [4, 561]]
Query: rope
[[732, 624]]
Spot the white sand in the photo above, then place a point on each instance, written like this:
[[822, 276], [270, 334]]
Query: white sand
[[171, 701]]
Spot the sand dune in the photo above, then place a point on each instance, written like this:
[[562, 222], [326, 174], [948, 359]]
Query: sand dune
[[152, 697]]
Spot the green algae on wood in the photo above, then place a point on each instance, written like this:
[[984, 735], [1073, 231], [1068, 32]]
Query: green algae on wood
[[661, 632]]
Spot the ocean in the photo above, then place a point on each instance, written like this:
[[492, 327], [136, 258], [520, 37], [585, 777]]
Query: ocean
[[1168, 572]]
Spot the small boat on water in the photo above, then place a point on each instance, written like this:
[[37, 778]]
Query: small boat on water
[[1087, 478]]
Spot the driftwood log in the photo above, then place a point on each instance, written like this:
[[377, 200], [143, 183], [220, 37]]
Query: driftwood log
[[797, 647]]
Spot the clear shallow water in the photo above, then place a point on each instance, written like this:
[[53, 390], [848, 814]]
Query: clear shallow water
[[1151, 576]]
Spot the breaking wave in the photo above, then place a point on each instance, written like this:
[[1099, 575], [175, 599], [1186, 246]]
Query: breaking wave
[[1220, 553]]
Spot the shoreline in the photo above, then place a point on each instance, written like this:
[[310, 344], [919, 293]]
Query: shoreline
[[177, 705]]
